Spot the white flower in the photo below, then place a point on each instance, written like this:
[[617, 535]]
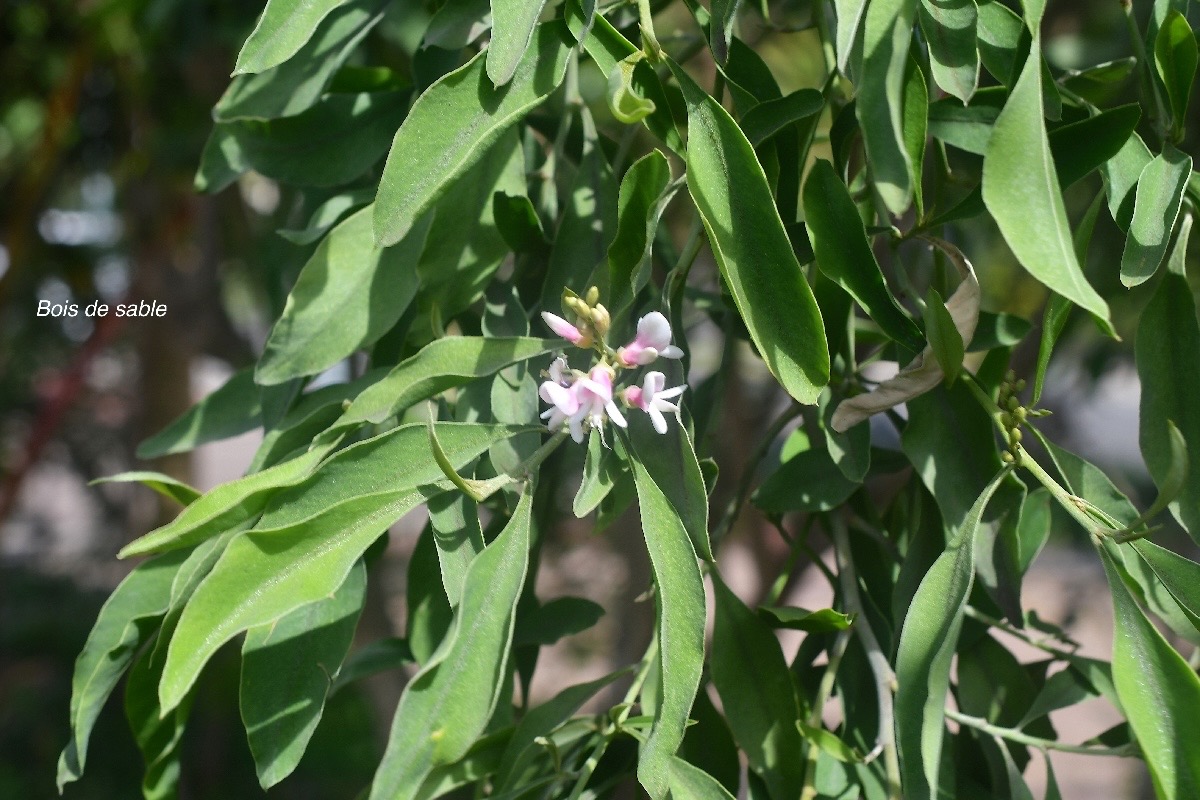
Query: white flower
[[653, 399], [587, 398], [653, 340]]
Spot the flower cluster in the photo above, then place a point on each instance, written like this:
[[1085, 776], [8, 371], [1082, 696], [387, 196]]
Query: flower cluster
[[583, 400]]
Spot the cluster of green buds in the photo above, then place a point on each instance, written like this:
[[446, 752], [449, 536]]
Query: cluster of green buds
[[1012, 416], [592, 319]]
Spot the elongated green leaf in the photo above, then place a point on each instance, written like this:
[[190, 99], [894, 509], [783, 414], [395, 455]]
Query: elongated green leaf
[[448, 704], [226, 506], [600, 472], [296, 84], [1054, 320], [1167, 354], [771, 116], [915, 125], [751, 247], [456, 25], [128, 619], [949, 27], [843, 252], [348, 295], [669, 460], [1156, 206], [288, 667], [1080, 147], [556, 619], [326, 215], [230, 410], [808, 481], [849, 21], [887, 33], [1000, 33], [1158, 692], [825, 620], [1021, 190], [331, 143], [308, 541], [1175, 55], [1121, 174], [378, 656], [282, 29], [165, 485], [680, 605], [427, 154], [440, 365], [541, 721], [762, 712], [642, 198], [1178, 574], [689, 782], [513, 24], [927, 643], [944, 340], [459, 538]]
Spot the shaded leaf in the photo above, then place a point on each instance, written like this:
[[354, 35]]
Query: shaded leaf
[[1175, 56], [949, 28], [229, 411], [825, 620], [1156, 205]]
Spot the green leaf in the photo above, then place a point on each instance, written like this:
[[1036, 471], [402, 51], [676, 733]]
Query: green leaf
[[949, 28], [288, 667], [556, 619], [1121, 174], [229, 411], [456, 25], [915, 125], [887, 33], [692, 783], [1180, 576], [762, 712], [998, 330], [1156, 206], [454, 518], [378, 656], [1080, 147], [1001, 34], [1158, 692], [306, 544], [809, 481], [680, 606], [669, 460], [128, 619], [825, 620], [944, 340], [428, 154], [626, 105], [165, 485], [447, 705], [641, 201], [282, 29], [601, 469], [843, 252], [752, 248], [771, 116], [542, 721], [518, 223], [1021, 190], [326, 215], [298, 83], [224, 507], [348, 295], [513, 24], [329, 144], [849, 21], [829, 743], [1175, 55], [1167, 351], [1058, 308], [440, 365], [927, 644]]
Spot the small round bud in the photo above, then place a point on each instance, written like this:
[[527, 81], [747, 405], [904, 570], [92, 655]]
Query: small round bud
[[578, 306], [1007, 457], [1014, 436], [1006, 419], [601, 319], [592, 296], [1020, 414], [1013, 404], [1019, 386], [1010, 376]]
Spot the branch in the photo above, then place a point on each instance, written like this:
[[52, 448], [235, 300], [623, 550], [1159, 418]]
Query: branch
[[979, 723]]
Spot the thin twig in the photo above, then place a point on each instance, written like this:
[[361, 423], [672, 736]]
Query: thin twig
[[979, 723], [824, 692], [750, 469]]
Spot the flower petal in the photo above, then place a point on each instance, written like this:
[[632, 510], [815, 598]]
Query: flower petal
[[653, 330], [561, 327]]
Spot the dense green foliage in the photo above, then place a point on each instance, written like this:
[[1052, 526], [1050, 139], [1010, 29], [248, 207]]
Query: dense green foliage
[[463, 202]]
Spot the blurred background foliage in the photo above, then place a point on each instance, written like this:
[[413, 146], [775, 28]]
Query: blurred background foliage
[[104, 109]]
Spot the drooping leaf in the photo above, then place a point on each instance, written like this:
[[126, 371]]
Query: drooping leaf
[[229, 411], [296, 84], [329, 144], [843, 252], [949, 27], [1175, 56], [440, 365], [945, 342], [761, 712], [927, 643], [823, 620], [282, 29], [751, 247], [128, 619], [680, 606], [1157, 689], [771, 116], [447, 705], [348, 295], [513, 24], [887, 32], [1021, 190], [427, 155], [1168, 354], [288, 668], [1156, 205]]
